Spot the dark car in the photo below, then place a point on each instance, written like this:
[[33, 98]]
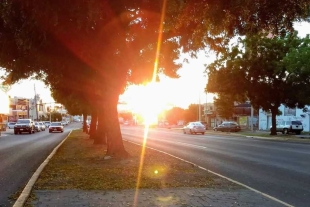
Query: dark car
[[228, 126], [56, 127], [24, 125]]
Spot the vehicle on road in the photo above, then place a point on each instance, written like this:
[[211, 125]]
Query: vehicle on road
[[24, 125], [228, 126], [287, 127], [47, 123], [204, 123], [37, 126], [194, 128], [56, 127], [11, 125], [64, 123], [42, 126]]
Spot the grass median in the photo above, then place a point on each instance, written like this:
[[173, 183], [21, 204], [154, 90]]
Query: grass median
[[78, 164]]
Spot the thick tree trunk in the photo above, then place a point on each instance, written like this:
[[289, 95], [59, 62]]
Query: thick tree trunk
[[85, 128], [93, 125], [100, 136], [274, 112], [115, 142]]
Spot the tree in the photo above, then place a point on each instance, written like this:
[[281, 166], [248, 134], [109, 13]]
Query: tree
[[174, 115], [110, 43], [224, 105], [258, 71], [192, 113]]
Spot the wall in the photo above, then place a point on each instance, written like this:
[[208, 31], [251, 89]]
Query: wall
[[287, 115]]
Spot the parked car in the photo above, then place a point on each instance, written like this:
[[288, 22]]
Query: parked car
[[11, 125], [64, 123], [56, 127], [194, 128], [24, 125], [37, 126], [228, 126], [289, 126], [42, 126]]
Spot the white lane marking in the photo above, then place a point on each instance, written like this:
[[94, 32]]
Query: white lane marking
[[222, 176]]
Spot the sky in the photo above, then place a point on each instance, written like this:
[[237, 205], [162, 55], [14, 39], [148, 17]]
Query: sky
[[181, 92]]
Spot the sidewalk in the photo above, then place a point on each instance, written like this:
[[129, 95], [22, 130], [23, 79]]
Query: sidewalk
[[48, 191], [177, 197]]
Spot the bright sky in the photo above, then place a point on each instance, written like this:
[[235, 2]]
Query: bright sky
[[187, 89]]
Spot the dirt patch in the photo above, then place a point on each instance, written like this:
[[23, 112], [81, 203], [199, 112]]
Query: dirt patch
[[79, 164]]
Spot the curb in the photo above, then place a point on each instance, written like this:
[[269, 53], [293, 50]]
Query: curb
[[20, 202]]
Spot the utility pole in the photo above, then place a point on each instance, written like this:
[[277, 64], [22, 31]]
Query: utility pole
[[35, 101], [252, 111]]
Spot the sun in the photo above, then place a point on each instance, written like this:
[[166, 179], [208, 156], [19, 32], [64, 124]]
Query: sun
[[148, 102]]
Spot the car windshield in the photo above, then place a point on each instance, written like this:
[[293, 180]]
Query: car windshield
[[23, 121], [56, 124]]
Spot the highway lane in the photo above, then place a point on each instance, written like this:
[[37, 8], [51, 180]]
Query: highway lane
[[280, 169], [21, 155]]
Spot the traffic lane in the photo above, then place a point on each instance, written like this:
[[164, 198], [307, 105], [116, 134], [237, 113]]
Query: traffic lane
[[20, 156], [276, 168]]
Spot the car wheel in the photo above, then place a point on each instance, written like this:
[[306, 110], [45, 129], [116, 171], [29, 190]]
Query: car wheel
[[298, 133], [15, 132], [202, 133], [184, 132], [285, 131], [190, 131], [29, 131]]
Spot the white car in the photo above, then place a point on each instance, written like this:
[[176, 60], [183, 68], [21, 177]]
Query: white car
[[11, 125], [194, 128]]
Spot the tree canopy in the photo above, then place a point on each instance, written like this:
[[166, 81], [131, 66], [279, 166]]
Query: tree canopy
[[265, 70], [97, 47]]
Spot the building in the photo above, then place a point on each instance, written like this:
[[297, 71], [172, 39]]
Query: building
[[4, 110], [287, 114]]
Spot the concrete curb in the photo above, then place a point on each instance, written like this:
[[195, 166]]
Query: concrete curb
[[20, 202]]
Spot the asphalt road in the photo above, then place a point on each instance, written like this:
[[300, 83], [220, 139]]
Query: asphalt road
[[280, 169], [21, 155]]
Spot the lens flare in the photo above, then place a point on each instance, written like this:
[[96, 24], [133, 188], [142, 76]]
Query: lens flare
[[159, 41]]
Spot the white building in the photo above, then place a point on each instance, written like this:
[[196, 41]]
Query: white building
[[288, 114]]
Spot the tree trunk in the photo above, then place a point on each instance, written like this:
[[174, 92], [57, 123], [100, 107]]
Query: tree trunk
[[93, 125], [100, 136], [85, 128], [274, 112], [115, 142]]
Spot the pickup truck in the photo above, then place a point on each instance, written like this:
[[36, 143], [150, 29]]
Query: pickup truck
[[24, 125]]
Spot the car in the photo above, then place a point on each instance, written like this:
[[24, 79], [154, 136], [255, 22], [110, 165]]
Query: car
[[289, 126], [24, 125], [56, 127], [47, 123], [37, 126], [64, 123], [228, 126], [11, 125], [194, 128], [204, 123], [42, 126]]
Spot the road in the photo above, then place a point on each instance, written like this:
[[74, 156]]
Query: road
[[279, 169], [21, 155]]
